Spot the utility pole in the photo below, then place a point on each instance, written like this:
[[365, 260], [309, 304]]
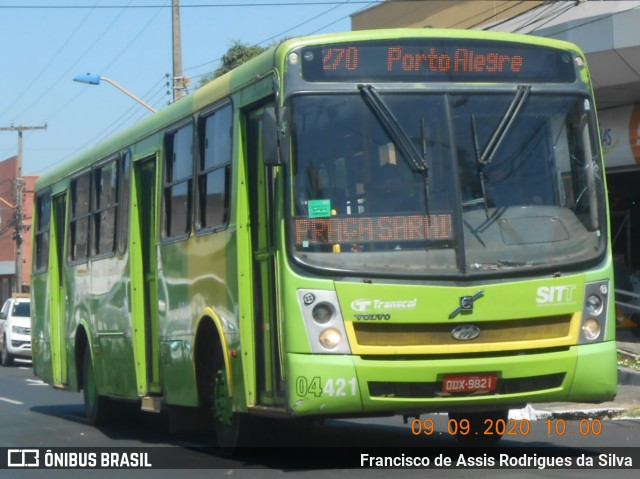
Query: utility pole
[[178, 79], [19, 227]]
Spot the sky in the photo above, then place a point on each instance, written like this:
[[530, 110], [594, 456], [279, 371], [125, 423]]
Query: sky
[[46, 43]]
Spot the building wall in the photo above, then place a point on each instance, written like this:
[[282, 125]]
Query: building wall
[[8, 172], [7, 245], [437, 14]]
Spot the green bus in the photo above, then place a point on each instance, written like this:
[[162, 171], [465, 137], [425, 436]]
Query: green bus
[[356, 224]]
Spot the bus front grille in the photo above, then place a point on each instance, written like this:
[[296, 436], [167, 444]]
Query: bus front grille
[[440, 334]]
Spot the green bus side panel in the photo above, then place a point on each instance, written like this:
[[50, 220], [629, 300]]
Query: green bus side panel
[[175, 314], [592, 380], [109, 306], [40, 332], [196, 277]]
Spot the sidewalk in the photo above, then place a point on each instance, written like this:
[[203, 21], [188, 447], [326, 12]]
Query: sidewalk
[[626, 401]]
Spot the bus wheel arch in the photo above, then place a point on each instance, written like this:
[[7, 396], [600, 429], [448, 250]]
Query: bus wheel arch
[[81, 345], [97, 407], [214, 381], [207, 341]]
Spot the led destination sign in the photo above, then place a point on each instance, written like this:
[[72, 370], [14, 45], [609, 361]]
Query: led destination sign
[[432, 60], [369, 229]]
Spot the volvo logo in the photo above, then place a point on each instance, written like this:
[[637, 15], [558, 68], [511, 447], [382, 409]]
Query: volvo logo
[[465, 332], [466, 304]]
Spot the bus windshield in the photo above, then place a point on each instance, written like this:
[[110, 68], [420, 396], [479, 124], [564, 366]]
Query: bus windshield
[[474, 196]]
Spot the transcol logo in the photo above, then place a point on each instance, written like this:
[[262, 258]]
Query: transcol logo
[[361, 305], [364, 305], [551, 295]]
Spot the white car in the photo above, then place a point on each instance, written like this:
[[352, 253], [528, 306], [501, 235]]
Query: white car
[[15, 330]]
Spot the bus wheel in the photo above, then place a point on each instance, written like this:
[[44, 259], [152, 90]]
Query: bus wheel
[[483, 428], [96, 407], [6, 358], [228, 425]]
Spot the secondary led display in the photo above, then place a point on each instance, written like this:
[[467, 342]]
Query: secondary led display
[[370, 229]]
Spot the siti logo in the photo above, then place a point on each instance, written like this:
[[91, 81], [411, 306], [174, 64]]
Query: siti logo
[[551, 295], [23, 458]]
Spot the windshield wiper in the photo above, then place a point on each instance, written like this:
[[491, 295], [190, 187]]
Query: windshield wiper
[[417, 161], [393, 127], [497, 137], [500, 133]]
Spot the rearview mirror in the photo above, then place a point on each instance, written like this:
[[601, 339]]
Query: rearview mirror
[[275, 137]]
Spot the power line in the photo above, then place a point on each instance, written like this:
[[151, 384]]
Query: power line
[[279, 35], [612, 14], [526, 12], [547, 16], [37, 78], [494, 13], [209, 5], [66, 73]]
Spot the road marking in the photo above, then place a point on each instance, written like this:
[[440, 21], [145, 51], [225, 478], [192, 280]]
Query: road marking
[[11, 401], [35, 382]]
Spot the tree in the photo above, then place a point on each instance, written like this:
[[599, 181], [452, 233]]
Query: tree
[[237, 54]]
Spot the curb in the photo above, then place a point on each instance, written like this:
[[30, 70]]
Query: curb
[[628, 377], [568, 413]]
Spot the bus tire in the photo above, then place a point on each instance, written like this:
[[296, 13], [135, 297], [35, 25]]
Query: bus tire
[[96, 407], [229, 426], [6, 358], [482, 426]]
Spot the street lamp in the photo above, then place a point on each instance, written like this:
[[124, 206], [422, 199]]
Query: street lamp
[[95, 80]]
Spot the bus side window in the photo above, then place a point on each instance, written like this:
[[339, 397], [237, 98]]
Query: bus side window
[[214, 169], [43, 222], [80, 214], [104, 209], [123, 202], [177, 188]]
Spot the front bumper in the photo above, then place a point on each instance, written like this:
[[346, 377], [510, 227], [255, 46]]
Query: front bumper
[[363, 385]]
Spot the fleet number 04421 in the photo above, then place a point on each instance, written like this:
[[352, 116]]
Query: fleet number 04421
[[333, 387]]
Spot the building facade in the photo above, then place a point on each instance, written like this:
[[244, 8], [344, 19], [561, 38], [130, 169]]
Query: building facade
[[8, 229], [439, 14]]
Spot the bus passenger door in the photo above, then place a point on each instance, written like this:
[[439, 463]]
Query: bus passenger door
[[142, 247], [58, 297], [266, 324]]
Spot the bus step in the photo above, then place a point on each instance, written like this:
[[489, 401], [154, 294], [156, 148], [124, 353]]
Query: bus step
[[151, 404]]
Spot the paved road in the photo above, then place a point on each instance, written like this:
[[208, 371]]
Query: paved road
[[35, 415]]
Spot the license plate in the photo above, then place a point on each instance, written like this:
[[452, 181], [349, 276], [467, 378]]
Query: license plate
[[469, 383]]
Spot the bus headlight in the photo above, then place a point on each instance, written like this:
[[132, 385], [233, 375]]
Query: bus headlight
[[322, 313], [330, 338], [594, 312], [594, 304], [591, 329], [323, 321]]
